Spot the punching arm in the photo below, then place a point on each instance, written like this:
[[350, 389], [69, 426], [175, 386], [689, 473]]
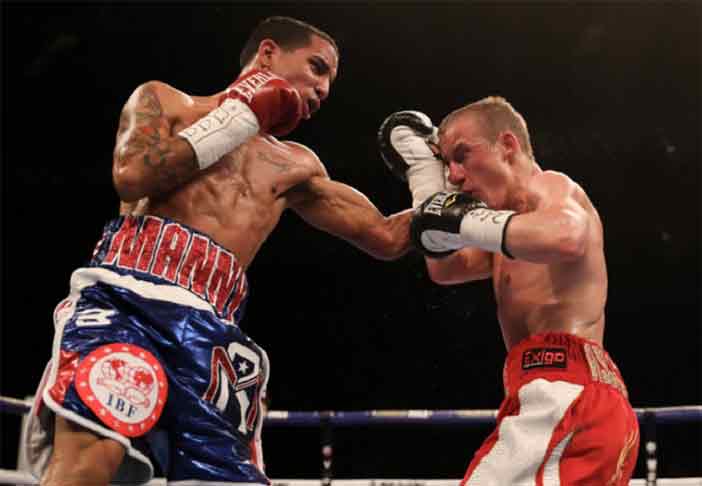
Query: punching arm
[[343, 211]]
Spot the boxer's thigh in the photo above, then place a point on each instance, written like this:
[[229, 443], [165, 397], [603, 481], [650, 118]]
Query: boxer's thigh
[[108, 385], [534, 429], [81, 456], [605, 442]]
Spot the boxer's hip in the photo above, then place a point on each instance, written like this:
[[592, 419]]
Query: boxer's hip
[[565, 417], [559, 357], [170, 256]]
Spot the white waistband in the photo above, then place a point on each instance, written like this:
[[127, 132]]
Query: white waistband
[[85, 277]]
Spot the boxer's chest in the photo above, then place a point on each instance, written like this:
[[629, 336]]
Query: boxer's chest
[[268, 167], [519, 283]]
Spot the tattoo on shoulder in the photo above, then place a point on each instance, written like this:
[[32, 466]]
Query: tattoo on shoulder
[[148, 105]]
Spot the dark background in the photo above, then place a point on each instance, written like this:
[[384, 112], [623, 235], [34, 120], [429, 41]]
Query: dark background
[[611, 93]]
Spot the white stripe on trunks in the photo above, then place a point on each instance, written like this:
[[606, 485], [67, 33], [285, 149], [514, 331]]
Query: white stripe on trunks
[[552, 474], [523, 439]]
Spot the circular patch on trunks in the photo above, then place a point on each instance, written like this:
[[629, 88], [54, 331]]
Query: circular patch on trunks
[[124, 385]]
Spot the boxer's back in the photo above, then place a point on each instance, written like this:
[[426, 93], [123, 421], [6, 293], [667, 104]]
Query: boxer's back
[[237, 201], [567, 296]]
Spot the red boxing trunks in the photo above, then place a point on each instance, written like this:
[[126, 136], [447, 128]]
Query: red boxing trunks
[[565, 419]]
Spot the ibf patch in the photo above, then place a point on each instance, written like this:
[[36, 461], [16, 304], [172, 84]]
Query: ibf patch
[[544, 358], [125, 386]]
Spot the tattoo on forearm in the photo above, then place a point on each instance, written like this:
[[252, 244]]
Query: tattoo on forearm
[[147, 142], [283, 166], [157, 151], [148, 119], [123, 123]]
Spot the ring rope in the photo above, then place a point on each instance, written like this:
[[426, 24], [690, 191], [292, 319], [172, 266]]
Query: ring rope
[[17, 478], [662, 415], [649, 416]]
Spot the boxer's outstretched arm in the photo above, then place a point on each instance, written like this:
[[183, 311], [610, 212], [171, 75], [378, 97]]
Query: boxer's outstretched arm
[[343, 211], [148, 160]]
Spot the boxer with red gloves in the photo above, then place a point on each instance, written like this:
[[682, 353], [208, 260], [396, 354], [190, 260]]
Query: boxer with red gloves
[[203, 181], [566, 417]]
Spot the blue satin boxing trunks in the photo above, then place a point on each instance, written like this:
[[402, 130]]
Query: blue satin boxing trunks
[[148, 352]]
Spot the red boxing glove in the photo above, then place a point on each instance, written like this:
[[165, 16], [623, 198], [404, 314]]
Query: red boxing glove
[[274, 101]]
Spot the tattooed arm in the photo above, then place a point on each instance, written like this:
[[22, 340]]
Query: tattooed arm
[[148, 159]]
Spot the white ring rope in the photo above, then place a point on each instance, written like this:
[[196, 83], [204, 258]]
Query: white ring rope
[[17, 478], [676, 414]]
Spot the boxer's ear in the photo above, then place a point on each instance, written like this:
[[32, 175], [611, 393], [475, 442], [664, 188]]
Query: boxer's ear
[[267, 48], [509, 144]]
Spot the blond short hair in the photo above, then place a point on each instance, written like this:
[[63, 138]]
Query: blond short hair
[[495, 115]]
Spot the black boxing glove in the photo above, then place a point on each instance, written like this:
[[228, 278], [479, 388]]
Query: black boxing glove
[[448, 221], [404, 139]]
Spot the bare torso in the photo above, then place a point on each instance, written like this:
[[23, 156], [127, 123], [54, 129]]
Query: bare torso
[[562, 297], [239, 200]]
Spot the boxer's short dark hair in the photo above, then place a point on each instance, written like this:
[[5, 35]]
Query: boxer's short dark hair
[[287, 32]]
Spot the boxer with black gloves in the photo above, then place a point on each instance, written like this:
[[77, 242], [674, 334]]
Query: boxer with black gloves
[[566, 418], [406, 139], [150, 362]]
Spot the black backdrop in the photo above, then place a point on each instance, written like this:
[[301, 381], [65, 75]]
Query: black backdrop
[[611, 92]]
